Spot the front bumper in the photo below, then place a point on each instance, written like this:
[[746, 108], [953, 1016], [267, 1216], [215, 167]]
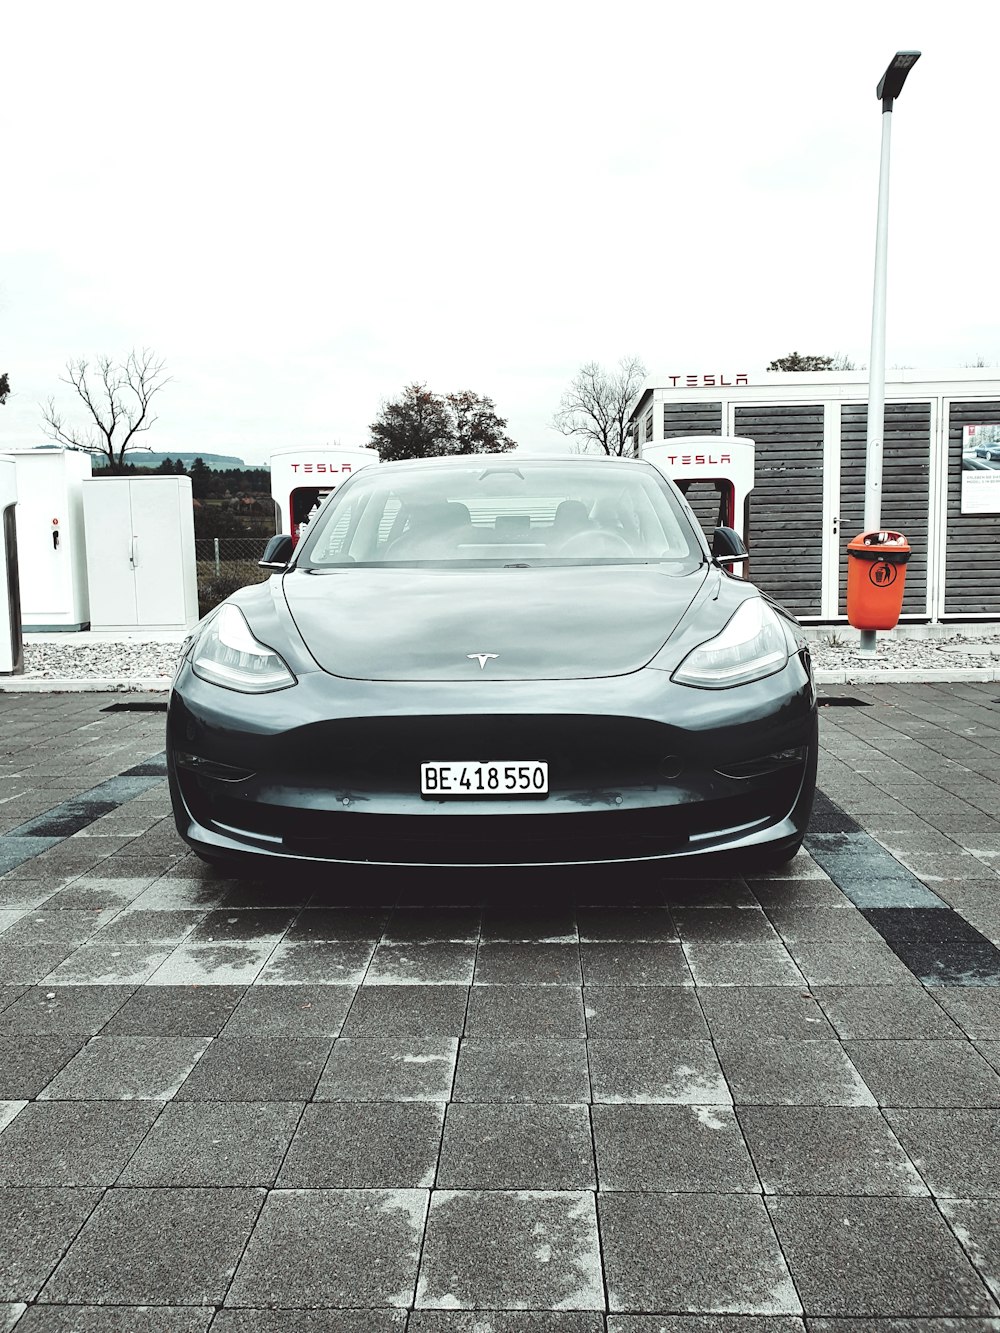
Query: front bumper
[[641, 769]]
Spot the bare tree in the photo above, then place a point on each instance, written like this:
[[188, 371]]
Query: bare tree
[[4, 388], [595, 407], [117, 400]]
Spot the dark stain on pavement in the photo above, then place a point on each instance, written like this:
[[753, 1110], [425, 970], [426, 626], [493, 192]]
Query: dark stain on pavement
[[938, 945]]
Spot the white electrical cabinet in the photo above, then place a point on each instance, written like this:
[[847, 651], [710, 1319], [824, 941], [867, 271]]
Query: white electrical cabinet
[[140, 553], [11, 658], [51, 547]]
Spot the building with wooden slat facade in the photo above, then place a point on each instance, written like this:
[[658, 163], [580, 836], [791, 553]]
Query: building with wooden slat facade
[[808, 500]]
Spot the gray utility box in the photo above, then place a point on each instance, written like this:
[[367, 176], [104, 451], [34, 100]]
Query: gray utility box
[[11, 660], [140, 553]]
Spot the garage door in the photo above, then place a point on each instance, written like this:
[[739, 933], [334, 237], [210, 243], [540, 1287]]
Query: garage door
[[905, 488], [786, 508], [972, 552]]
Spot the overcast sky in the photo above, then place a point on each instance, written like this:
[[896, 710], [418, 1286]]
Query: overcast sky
[[303, 207]]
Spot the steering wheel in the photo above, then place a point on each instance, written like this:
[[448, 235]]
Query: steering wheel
[[592, 541]]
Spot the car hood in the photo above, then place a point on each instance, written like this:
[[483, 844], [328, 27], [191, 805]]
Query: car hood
[[528, 623]]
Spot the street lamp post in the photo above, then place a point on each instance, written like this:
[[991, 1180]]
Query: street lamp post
[[889, 88]]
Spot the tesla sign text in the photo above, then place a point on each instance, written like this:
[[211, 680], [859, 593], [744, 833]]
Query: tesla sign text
[[707, 381], [321, 467], [698, 460]]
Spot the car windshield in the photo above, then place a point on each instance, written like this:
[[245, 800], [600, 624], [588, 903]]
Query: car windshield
[[503, 513]]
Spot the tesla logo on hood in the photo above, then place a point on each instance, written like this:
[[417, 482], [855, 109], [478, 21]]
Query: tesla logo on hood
[[481, 658]]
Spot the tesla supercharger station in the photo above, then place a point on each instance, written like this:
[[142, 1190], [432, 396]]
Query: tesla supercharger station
[[724, 462], [302, 478], [51, 545], [10, 594], [141, 553]]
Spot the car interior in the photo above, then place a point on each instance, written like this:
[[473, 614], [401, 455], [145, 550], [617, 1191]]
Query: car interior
[[600, 522]]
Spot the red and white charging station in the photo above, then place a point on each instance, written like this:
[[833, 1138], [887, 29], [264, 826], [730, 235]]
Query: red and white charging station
[[302, 478], [725, 462]]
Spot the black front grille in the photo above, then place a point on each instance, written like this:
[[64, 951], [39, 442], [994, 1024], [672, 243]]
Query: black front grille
[[448, 836], [380, 754]]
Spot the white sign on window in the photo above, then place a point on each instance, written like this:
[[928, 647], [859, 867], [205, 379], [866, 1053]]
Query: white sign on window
[[981, 468]]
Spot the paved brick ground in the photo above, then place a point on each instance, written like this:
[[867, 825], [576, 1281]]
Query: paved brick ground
[[595, 1104]]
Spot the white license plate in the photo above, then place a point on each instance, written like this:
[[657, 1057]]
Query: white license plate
[[475, 777]]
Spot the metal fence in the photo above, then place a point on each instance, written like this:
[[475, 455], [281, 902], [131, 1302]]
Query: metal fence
[[225, 564]]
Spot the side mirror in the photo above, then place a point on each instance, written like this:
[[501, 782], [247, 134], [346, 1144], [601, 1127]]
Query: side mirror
[[277, 552], [728, 547]]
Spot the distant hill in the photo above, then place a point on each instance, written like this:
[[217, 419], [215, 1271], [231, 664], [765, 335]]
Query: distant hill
[[217, 462]]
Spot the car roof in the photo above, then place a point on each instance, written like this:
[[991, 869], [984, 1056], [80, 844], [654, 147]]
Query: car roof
[[568, 460]]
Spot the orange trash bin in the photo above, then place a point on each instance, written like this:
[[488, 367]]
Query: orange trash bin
[[876, 578]]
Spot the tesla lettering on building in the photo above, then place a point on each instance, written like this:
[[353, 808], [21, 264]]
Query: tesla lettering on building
[[713, 381]]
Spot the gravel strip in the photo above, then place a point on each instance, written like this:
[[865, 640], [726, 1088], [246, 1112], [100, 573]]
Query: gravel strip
[[99, 661], [835, 650]]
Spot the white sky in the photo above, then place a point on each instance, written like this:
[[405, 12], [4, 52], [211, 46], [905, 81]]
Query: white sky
[[303, 207]]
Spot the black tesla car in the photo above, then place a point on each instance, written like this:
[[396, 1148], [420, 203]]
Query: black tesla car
[[496, 660]]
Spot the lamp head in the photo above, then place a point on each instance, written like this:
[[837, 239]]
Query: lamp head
[[891, 83]]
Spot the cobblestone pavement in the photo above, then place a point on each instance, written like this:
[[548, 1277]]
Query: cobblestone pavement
[[608, 1103]]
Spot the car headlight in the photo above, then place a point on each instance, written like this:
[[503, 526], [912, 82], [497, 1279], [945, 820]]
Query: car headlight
[[751, 646], [227, 654]]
